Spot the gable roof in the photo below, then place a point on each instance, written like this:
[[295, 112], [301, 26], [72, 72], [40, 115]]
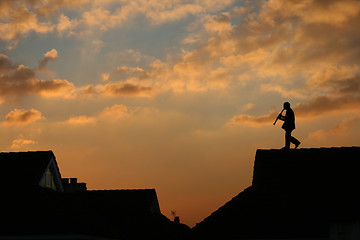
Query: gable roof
[[26, 169]]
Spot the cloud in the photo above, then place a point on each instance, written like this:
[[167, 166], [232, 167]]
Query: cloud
[[48, 56], [22, 142], [105, 77], [47, 8], [114, 113], [65, 25], [254, 120], [22, 117], [126, 89], [155, 11], [5, 64], [81, 120], [278, 46], [124, 71], [344, 130], [285, 93], [20, 18], [249, 106], [219, 24], [343, 98], [324, 104], [17, 20], [19, 80], [51, 55], [128, 70], [303, 51], [108, 114], [97, 45]]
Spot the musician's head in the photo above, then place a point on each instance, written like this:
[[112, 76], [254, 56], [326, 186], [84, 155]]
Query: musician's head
[[286, 105]]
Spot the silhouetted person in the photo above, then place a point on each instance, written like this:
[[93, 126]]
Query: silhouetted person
[[289, 126]]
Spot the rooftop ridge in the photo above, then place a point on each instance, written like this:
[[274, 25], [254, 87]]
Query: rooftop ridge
[[318, 148], [41, 151], [132, 189]]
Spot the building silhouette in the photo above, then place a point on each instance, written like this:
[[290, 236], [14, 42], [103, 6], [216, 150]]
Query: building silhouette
[[295, 194], [37, 203]]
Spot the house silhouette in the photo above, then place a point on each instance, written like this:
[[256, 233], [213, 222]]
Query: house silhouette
[[295, 194], [37, 203], [25, 170]]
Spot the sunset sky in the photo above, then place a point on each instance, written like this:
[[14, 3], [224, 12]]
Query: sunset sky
[[176, 95]]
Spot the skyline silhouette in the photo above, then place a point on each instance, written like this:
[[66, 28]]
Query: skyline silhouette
[[176, 95]]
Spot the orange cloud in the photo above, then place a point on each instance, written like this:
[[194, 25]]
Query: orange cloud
[[108, 114], [22, 117], [293, 93], [345, 99], [219, 24], [324, 104], [81, 120], [65, 25], [105, 77], [22, 142], [128, 70], [157, 12], [48, 56], [253, 120], [17, 19], [19, 80], [274, 43], [126, 89], [342, 130], [115, 112]]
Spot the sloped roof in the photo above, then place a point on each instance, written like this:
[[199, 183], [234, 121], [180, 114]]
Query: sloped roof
[[24, 168]]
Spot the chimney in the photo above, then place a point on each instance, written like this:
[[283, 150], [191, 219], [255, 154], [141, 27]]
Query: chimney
[[177, 219], [73, 180], [65, 181]]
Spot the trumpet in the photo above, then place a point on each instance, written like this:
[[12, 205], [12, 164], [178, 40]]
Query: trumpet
[[278, 116]]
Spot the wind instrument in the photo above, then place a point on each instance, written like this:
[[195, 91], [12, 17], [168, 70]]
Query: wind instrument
[[278, 116]]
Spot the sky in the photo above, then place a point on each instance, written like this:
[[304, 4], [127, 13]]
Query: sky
[[176, 95]]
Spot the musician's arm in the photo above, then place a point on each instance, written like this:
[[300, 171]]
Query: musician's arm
[[281, 117]]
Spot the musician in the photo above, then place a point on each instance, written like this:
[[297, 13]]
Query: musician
[[288, 126]]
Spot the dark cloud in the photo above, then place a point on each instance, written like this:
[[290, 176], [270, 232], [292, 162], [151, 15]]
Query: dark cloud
[[5, 64], [19, 80], [21, 116], [126, 89], [324, 104]]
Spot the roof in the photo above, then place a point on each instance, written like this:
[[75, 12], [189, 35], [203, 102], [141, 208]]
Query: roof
[[126, 200], [24, 168], [296, 193], [339, 165]]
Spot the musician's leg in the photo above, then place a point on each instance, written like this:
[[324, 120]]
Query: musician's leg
[[287, 139], [295, 141]]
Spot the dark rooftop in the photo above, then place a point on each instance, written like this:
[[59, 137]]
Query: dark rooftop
[[24, 168], [124, 200], [297, 193]]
